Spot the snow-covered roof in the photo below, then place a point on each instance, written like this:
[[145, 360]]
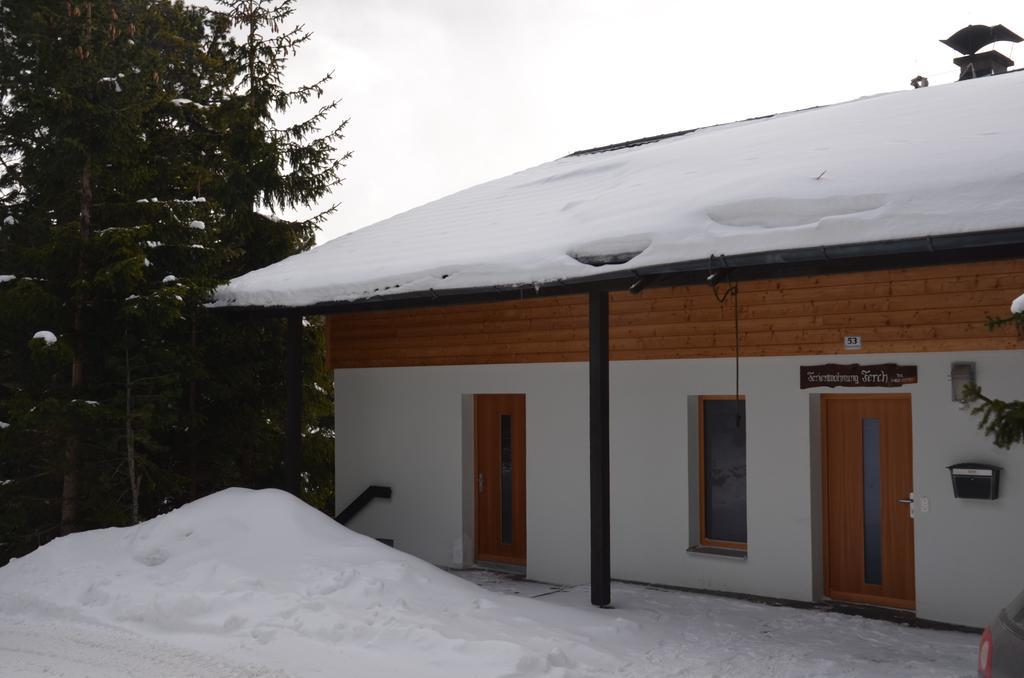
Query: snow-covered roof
[[927, 162]]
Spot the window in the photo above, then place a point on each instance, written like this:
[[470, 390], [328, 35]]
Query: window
[[723, 471]]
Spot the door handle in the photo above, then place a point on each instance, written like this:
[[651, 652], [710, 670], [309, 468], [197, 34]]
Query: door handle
[[909, 501], [480, 482]]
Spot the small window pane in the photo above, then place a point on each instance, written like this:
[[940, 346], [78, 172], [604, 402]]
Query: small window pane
[[871, 442], [725, 470], [506, 479]]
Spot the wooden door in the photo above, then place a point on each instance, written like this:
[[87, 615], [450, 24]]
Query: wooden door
[[500, 477], [868, 479]]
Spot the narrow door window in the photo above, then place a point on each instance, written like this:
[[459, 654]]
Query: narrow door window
[[871, 451], [505, 446]]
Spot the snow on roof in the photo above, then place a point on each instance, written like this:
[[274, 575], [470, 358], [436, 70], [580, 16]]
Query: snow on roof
[[927, 162]]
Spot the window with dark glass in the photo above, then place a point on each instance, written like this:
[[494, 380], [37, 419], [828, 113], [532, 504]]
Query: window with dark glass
[[506, 478], [871, 443], [723, 469]]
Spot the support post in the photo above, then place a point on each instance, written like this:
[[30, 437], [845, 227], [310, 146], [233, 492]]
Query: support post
[[293, 419], [600, 533]]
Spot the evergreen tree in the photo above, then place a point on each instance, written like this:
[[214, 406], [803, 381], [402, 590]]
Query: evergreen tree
[[88, 118], [142, 164], [271, 169]]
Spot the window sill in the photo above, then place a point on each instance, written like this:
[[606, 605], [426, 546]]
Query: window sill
[[737, 554]]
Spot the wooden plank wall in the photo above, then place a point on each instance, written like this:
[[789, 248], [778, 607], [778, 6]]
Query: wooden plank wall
[[935, 308]]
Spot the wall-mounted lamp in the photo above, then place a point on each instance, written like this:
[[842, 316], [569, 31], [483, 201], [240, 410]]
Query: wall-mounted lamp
[[960, 375]]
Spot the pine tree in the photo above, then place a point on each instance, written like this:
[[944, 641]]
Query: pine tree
[[92, 123], [142, 165], [271, 170]]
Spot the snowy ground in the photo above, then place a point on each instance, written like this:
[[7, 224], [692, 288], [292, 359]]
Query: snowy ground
[[686, 634], [255, 584]]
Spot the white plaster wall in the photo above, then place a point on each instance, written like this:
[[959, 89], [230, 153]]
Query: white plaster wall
[[969, 553], [650, 504], [407, 428], [404, 427]]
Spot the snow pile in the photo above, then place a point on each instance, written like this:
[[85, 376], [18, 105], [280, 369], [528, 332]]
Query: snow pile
[[1018, 305], [254, 584], [244, 574], [933, 161], [47, 336], [7, 278]]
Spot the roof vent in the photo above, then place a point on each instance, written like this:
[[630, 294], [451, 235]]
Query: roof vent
[[970, 39]]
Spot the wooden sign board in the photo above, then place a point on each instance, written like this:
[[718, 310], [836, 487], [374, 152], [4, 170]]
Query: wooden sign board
[[832, 375]]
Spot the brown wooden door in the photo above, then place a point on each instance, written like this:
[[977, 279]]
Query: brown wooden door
[[868, 477], [500, 433]]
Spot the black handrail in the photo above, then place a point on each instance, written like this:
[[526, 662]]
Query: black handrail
[[359, 503]]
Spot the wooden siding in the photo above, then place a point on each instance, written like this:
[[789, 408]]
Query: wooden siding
[[933, 308]]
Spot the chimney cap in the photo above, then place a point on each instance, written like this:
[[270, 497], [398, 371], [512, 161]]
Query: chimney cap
[[970, 39], [991, 56]]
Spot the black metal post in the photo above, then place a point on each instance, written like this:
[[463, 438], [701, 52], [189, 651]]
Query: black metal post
[[600, 533], [293, 420]]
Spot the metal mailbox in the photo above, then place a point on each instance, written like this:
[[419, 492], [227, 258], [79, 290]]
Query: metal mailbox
[[975, 481]]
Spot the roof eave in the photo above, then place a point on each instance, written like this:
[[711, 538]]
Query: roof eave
[[902, 253]]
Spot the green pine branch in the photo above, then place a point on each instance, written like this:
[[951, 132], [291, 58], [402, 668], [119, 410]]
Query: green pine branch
[[1001, 420]]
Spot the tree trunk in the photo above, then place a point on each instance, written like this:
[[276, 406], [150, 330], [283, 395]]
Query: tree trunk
[[193, 396], [69, 495], [129, 437]]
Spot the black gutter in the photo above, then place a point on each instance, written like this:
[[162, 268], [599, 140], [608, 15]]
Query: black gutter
[[906, 253]]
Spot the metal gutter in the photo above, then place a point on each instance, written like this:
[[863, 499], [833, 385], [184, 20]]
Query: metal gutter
[[904, 253]]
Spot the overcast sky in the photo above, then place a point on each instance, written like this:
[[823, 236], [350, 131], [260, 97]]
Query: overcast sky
[[445, 94]]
